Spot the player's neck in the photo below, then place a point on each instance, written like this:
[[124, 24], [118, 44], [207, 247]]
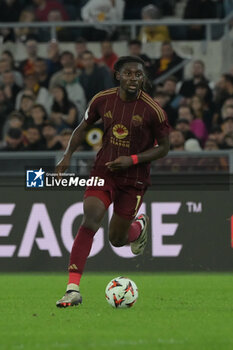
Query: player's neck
[[128, 97]]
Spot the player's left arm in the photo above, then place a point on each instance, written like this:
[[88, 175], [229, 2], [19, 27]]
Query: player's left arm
[[147, 156]]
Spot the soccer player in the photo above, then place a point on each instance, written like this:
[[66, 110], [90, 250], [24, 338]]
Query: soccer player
[[133, 122]]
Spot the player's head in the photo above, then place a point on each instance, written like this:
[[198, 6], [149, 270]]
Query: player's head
[[130, 72]]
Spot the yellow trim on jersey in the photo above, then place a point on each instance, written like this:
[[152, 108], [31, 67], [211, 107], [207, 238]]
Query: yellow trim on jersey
[[152, 104], [103, 93]]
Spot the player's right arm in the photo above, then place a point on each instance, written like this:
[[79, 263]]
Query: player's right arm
[[76, 140]]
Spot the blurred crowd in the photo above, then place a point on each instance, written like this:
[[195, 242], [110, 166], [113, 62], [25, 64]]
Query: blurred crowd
[[43, 100], [96, 12]]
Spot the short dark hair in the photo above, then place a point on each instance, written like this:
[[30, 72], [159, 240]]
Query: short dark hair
[[164, 43], [27, 96], [16, 114], [127, 59], [33, 126], [14, 133], [160, 94], [66, 52], [228, 78], [87, 52], [135, 42], [49, 123], [172, 78]]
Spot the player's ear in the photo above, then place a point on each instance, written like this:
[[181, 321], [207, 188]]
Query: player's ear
[[117, 75]]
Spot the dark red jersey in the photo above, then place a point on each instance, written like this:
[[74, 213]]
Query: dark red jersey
[[130, 127]]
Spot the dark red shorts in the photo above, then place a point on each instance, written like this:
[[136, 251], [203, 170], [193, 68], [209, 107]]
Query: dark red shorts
[[126, 199]]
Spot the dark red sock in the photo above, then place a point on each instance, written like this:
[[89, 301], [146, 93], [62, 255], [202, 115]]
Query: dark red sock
[[79, 253], [134, 231]]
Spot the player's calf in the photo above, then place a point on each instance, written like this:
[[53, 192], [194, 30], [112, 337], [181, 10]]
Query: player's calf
[[117, 241]]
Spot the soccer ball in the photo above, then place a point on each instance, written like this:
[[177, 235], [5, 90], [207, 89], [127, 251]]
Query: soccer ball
[[121, 292]]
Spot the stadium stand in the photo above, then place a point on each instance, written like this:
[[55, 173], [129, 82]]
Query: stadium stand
[[47, 86]]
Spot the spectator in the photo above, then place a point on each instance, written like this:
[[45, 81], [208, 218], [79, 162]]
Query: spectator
[[109, 57], [43, 7], [39, 115], [5, 109], [25, 109], [203, 90], [53, 60], [223, 90], [197, 126], [33, 139], [8, 56], [27, 66], [135, 49], [216, 135], [183, 125], [169, 87], [226, 112], [227, 125], [62, 34], [41, 94], [96, 12], [153, 33], [51, 139], [211, 145], [163, 98], [197, 106], [66, 60], [228, 141], [65, 137], [168, 59], [198, 9], [185, 112], [10, 10], [41, 71], [6, 65], [10, 87], [198, 76], [94, 78], [13, 141], [177, 140], [64, 112], [14, 120], [80, 47], [22, 34], [74, 89]]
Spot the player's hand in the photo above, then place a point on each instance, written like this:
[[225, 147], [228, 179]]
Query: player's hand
[[120, 163], [62, 166]]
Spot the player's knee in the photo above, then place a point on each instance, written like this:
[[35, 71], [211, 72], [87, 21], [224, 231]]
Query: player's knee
[[91, 222]]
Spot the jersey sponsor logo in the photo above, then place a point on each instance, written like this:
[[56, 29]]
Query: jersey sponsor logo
[[121, 143], [120, 131], [137, 120], [108, 114]]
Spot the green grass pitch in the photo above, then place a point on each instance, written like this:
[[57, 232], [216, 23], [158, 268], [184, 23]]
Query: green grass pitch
[[174, 311]]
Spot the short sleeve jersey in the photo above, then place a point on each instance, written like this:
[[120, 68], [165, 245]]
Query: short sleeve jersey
[[130, 127]]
